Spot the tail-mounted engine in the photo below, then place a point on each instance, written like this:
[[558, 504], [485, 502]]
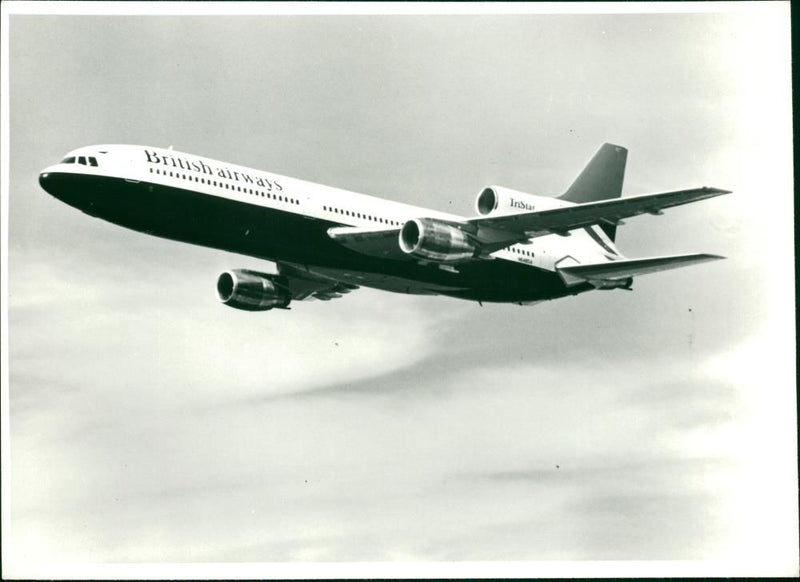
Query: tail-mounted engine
[[435, 240], [252, 291], [496, 199]]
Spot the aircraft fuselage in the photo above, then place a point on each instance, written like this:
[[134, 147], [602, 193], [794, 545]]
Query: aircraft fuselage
[[210, 203]]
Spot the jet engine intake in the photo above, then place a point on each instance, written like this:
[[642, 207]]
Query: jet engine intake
[[251, 291], [435, 240]]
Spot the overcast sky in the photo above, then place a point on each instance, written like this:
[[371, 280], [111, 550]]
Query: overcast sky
[[149, 423]]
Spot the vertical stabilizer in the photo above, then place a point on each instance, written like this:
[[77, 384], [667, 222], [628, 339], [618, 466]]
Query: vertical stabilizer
[[600, 180]]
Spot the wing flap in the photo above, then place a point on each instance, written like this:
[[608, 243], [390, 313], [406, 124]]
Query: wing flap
[[599, 274], [609, 212]]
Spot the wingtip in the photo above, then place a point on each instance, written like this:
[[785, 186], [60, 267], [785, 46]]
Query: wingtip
[[716, 190]]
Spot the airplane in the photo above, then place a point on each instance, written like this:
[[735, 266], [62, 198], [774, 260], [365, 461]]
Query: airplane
[[323, 242]]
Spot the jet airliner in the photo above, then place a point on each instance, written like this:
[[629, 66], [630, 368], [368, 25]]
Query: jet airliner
[[324, 242]]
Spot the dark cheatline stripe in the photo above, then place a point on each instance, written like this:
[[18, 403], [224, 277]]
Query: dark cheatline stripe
[[273, 234]]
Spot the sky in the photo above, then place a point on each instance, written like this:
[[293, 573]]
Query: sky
[[146, 423]]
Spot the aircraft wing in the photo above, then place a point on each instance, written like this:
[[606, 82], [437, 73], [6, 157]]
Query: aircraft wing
[[496, 232], [303, 284], [376, 242], [491, 229]]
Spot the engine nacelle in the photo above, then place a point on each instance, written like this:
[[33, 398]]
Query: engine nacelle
[[507, 201], [251, 291], [434, 240]]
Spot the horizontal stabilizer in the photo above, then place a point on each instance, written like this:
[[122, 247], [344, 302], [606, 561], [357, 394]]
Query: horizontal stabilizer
[[601, 274]]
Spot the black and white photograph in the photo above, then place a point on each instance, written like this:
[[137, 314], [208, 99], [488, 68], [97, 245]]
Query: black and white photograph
[[375, 290]]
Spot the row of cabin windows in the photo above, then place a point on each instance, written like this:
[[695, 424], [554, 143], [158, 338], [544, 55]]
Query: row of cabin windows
[[83, 160], [361, 215], [521, 252], [222, 184]]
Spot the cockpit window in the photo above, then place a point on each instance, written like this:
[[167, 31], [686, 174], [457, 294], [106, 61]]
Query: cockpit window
[[85, 160]]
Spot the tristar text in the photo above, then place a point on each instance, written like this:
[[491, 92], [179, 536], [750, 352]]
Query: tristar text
[[521, 205]]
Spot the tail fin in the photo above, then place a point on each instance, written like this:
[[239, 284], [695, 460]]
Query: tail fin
[[601, 179]]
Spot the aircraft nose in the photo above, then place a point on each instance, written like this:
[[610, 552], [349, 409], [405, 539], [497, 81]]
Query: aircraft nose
[[58, 185], [46, 181]]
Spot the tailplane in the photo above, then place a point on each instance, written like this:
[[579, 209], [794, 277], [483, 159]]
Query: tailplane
[[616, 274], [601, 179]]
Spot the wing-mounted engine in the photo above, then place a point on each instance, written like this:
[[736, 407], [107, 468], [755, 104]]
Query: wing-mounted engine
[[499, 200], [431, 239], [252, 291]]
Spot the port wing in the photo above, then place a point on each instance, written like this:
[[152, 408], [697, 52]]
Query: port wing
[[609, 212]]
